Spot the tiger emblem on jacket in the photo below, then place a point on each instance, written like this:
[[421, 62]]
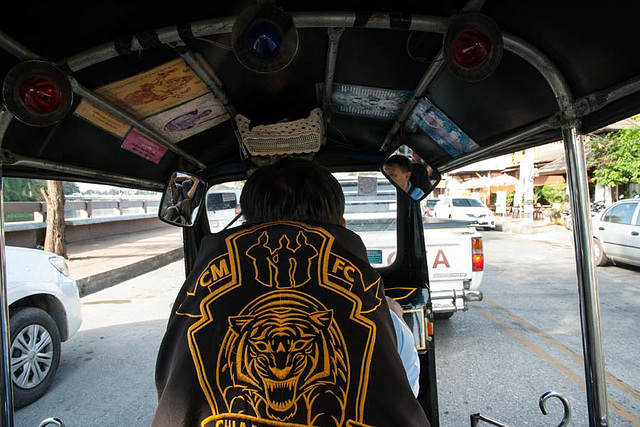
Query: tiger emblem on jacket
[[283, 358]]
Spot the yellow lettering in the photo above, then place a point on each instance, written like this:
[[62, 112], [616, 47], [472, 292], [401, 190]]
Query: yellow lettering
[[203, 282], [339, 265], [220, 423], [242, 424], [347, 275], [221, 271]]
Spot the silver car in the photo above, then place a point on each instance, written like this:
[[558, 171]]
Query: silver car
[[617, 233]]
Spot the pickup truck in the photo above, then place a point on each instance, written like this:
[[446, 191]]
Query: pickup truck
[[454, 248]]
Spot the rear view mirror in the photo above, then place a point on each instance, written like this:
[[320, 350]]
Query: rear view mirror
[[411, 174], [182, 199]]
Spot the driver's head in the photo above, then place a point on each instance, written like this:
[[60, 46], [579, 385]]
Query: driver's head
[[292, 189], [399, 169]]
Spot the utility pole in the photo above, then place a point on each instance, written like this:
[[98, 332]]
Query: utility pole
[[527, 178]]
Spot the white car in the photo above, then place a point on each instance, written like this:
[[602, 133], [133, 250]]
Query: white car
[[223, 205], [616, 233], [44, 310], [465, 208]]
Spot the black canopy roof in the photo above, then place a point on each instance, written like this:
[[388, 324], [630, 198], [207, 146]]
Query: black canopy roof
[[587, 48]]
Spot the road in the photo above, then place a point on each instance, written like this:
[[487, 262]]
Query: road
[[496, 359]]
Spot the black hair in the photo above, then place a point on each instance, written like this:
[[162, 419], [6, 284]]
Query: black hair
[[401, 161], [292, 189]]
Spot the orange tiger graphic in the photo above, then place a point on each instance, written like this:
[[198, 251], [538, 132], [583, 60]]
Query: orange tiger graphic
[[283, 358]]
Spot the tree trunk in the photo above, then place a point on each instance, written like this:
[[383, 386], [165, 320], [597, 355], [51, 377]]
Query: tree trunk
[[54, 240]]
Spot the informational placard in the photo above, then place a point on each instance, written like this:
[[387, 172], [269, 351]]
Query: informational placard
[[367, 186], [444, 132], [102, 119], [144, 147], [365, 101], [170, 98], [501, 202], [374, 256]]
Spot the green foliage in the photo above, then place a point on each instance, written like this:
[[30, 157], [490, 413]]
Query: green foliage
[[23, 189], [556, 193], [510, 197], [28, 190], [537, 195], [70, 188], [615, 157]]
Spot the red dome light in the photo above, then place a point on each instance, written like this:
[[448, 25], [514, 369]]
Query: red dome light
[[470, 48], [40, 95]]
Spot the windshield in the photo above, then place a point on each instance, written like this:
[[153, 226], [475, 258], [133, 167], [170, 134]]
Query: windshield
[[465, 203], [223, 205], [370, 211]]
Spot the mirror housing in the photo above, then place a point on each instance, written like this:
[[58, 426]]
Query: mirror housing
[[182, 199], [410, 173]]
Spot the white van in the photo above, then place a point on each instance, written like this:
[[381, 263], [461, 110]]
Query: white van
[[223, 204]]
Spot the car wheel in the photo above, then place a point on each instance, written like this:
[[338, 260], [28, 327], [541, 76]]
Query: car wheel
[[35, 354], [598, 252]]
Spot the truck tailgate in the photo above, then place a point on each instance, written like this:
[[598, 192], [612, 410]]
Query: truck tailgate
[[449, 254]]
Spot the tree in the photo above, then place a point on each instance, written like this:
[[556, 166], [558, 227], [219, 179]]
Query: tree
[[554, 193], [54, 238], [615, 157], [30, 190]]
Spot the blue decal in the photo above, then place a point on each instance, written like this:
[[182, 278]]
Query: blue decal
[[444, 132], [375, 256]]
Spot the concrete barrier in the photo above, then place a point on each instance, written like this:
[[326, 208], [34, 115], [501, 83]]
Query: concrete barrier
[[32, 234]]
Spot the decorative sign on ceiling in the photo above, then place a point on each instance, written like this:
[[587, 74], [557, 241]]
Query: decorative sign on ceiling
[[366, 101], [170, 98], [441, 129]]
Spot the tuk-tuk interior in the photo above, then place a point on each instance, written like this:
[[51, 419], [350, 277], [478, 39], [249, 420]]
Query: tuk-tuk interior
[[140, 92]]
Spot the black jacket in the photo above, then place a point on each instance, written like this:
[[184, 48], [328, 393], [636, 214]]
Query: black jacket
[[282, 324]]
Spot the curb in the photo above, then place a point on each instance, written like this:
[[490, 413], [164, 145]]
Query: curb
[[97, 282]]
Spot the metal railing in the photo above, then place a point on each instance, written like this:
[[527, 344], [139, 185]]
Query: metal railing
[[85, 208]]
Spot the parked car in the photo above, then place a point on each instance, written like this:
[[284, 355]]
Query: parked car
[[467, 209], [617, 233], [44, 310]]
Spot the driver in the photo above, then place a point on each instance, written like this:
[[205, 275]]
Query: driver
[[283, 322], [399, 169]]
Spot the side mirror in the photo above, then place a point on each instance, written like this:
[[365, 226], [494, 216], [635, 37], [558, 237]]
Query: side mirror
[[182, 199], [410, 173]]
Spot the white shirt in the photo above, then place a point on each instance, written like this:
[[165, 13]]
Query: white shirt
[[408, 352]]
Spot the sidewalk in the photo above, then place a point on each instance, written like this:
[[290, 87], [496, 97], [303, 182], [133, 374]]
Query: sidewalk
[[99, 263], [542, 230]]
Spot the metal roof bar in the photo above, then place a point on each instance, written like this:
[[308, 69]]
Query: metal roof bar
[[6, 157], [332, 57], [531, 130]]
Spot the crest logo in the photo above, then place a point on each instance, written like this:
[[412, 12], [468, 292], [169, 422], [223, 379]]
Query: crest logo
[[286, 358], [288, 265]]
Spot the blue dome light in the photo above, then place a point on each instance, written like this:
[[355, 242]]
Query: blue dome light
[[264, 39]]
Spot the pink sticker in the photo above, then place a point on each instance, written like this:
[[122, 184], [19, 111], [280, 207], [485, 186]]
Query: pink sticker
[[143, 146]]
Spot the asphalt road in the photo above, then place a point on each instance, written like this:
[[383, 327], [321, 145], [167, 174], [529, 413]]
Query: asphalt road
[[496, 359]]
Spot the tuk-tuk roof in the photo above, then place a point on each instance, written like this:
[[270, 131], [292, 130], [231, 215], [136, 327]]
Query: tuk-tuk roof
[[587, 48]]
